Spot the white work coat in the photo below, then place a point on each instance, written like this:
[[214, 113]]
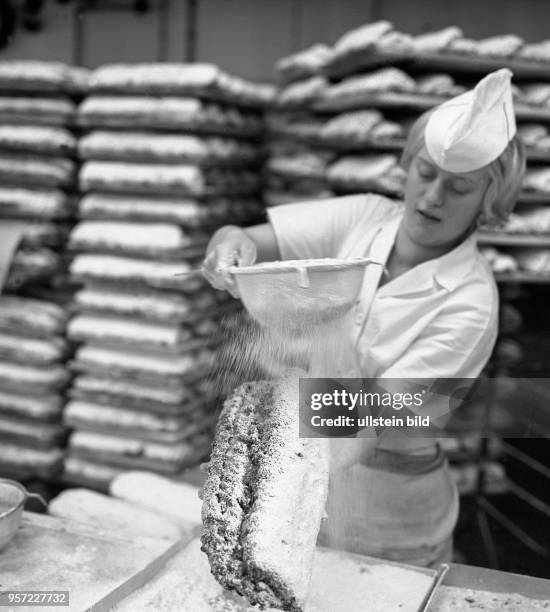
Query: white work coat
[[437, 320]]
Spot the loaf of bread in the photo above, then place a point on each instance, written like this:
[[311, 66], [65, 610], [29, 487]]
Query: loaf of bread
[[32, 264], [500, 46], [539, 52], [149, 304], [141, 178], [16, 430], [89, 474], [368, 172], [42, 77], [30, 461], [353, 92], [143, 364], [24, 376], [301, 165], [302, 93], [136, 454], [434, 42], [537, 94], [202, 80], [295, 125], [42, 407], [162, 397], [439, 85], [146, 239], [104, 512], [32, 170], [87, 415], [22, 203], [463, 46], [36, 317], [185, 114], [179, 500], [22, 349], [44, 234], [362, 38], [37, 111], [301, 65], [127, 331], [166, 148], [128, 270], [37, 140], [537, 179], [264, 497], [352, 127]]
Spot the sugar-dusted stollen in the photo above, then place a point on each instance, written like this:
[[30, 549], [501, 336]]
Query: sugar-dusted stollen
[[264, 497]]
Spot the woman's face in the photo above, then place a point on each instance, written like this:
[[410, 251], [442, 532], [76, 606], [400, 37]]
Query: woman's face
[[441, 206]]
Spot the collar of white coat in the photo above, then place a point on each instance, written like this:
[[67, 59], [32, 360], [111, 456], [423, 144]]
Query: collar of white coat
[[446, 271]]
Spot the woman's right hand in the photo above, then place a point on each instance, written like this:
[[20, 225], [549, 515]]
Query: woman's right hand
[[230, 246]]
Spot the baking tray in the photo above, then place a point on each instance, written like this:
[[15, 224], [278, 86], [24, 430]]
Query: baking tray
[[483, 579]]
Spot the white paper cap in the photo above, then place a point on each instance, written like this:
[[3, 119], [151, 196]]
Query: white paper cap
[[473, 129]]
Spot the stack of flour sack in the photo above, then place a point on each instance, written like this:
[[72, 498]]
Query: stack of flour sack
[[169, 153], [38, 171]]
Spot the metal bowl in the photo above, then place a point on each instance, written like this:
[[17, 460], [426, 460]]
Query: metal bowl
[[293, 295], [13, 496]]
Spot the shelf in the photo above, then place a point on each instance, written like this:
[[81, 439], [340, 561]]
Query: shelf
[[530, 197], [513, 240], [412, 102], [461, 63], [382, 99], [522, 277], [358, 61], [476, 65]]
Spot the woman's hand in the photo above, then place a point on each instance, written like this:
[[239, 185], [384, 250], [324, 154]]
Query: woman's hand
[[230, 246]]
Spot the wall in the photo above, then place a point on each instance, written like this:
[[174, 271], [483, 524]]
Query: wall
[[247, 36]]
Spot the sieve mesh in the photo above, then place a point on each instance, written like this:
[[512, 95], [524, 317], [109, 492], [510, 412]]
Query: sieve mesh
[[290, 296]]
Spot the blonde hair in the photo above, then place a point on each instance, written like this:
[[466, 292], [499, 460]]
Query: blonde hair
[[505, 173]]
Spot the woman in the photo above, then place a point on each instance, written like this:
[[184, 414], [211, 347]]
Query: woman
[[432, 313]]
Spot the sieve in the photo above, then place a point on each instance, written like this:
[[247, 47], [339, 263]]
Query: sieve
[[295, 295], [13, 496]]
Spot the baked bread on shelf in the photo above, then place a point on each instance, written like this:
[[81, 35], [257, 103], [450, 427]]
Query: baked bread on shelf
[[177, 79], [36, 317], [300, 94], [505, 45], [167, 397], [27, 170], [168, 113], [362, 38], [434, 42], [42, 77], [41, 407], [303, 64], [37, 111], [539, 52], [36, 139], [22, 203], [145, 239], [166, 148], [264, 497]]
